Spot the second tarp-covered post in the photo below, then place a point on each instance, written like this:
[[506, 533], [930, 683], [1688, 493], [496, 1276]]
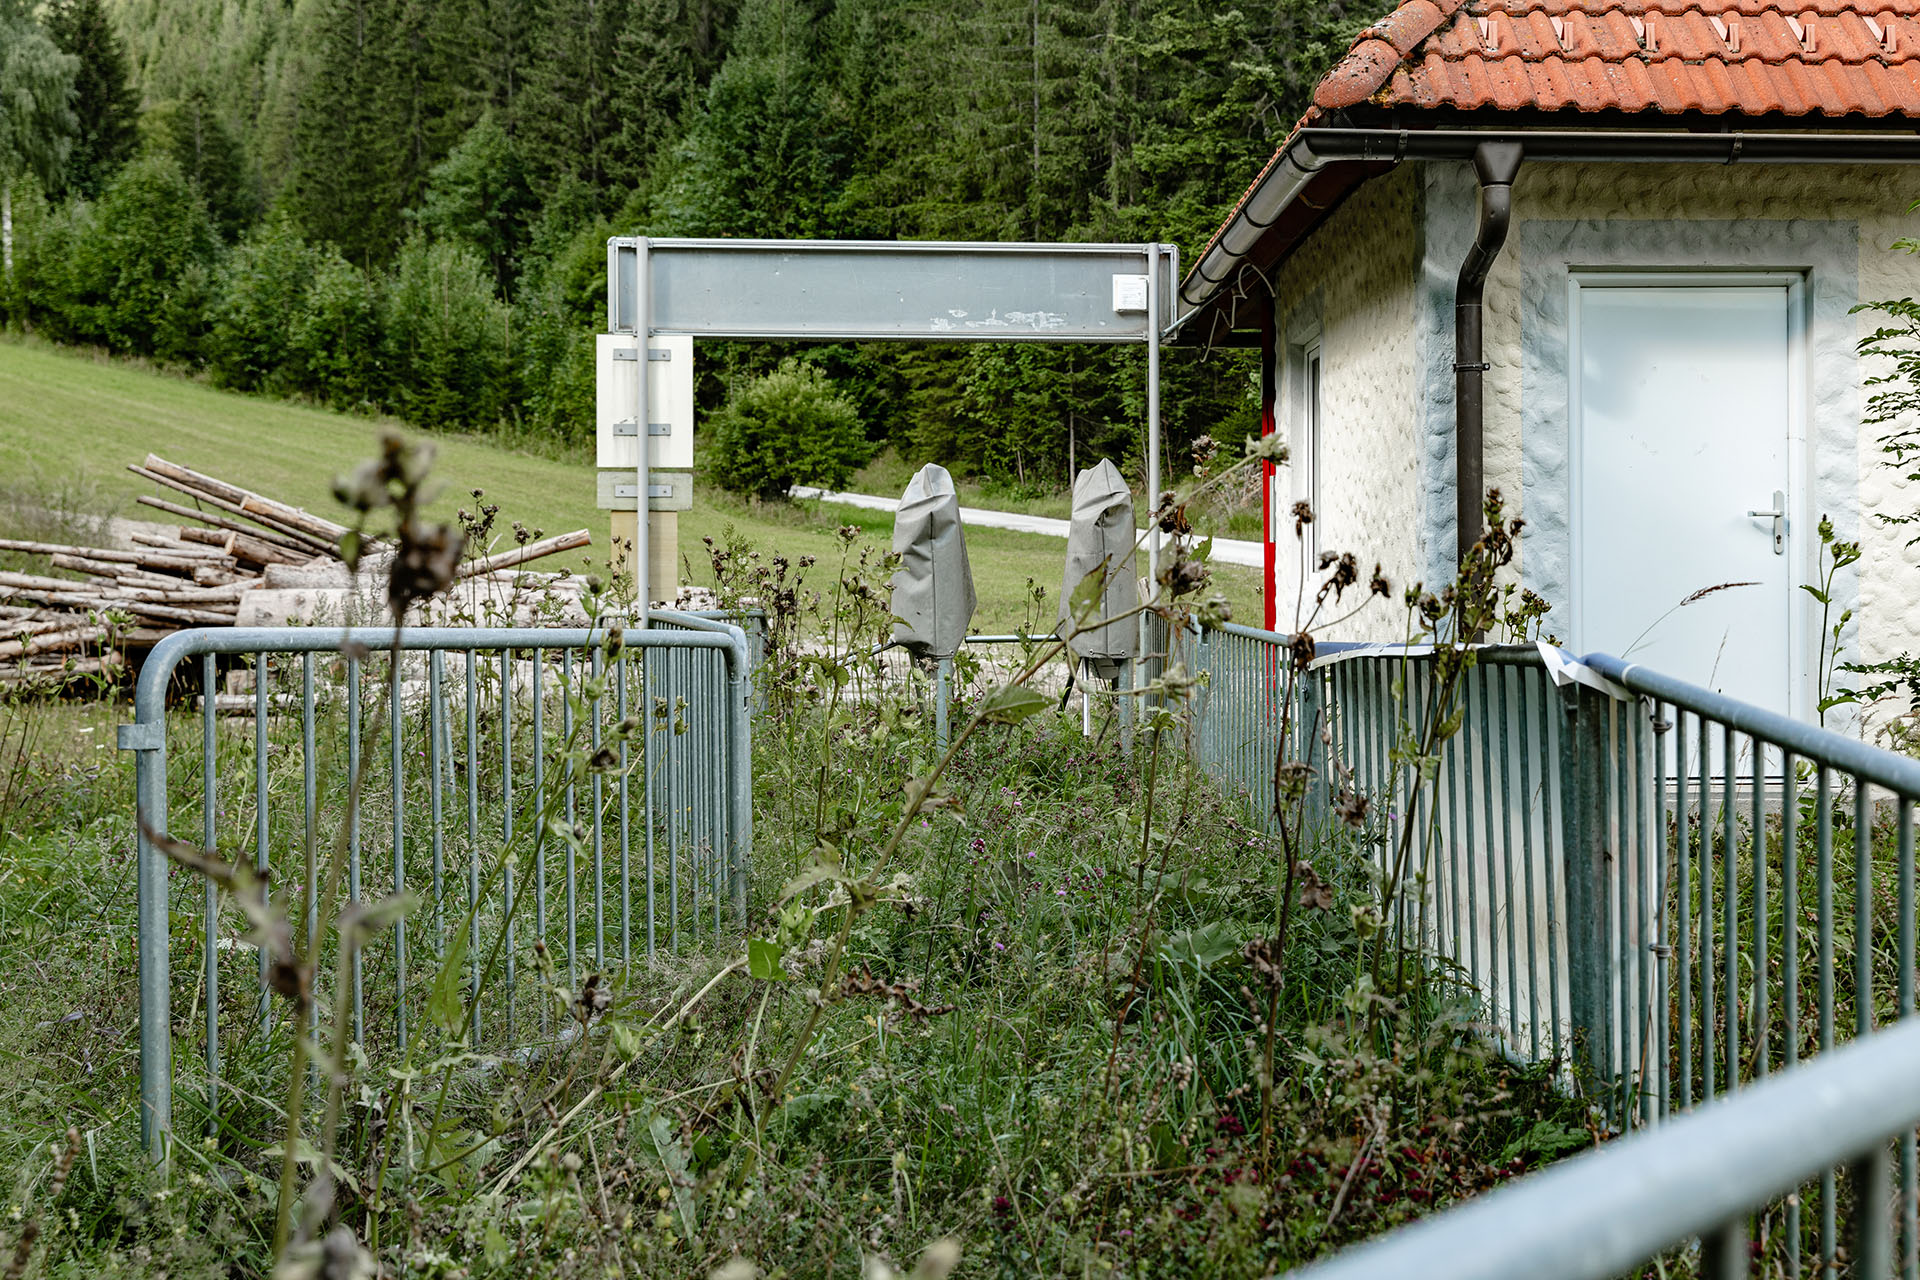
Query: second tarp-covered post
[[933, 596], [1101, 540]]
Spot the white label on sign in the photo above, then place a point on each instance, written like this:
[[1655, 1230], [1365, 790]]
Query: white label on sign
[[1129, 294], [669, 402]]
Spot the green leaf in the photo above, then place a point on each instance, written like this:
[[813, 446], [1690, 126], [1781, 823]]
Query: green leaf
[[446, 1002], [1816, 593], [763, 960], [1013, 703], [1085, 600], [1203, 552], [822, 868], [674, 1157], [364, 919]]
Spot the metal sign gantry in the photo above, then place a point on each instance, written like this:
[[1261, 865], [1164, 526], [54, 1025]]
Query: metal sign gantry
[[663, 293]]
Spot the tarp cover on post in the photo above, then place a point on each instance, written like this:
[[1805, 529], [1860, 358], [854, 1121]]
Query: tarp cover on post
[[933, 597], [1102, 532]]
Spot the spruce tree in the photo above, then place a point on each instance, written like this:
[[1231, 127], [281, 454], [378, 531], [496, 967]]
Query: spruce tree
[[104, 104], [192, 132], [666, 54], [758, 159], [567, 126]]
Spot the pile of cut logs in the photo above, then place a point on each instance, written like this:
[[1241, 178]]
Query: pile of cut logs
[[247, 560]]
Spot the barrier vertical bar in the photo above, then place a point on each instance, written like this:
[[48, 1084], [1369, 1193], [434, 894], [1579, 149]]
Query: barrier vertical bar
[[1762, 1012], [353, 841], [1729, 910], [1790, 959], [261, 675], [473, 845], [210, 903], [1582, 756], [1909, 1211], [506, 834], [397, 767], [1823, 846]]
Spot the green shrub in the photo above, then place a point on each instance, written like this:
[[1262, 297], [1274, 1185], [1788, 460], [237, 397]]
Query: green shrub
[[562, 304], [447, 338], [786, 428], [45, 291], [263, 286], [129, 273], [336, 342]]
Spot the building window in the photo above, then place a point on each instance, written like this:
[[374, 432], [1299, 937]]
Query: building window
[[1306, 441]]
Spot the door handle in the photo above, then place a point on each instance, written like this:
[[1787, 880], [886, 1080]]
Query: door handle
[[1779, 516]]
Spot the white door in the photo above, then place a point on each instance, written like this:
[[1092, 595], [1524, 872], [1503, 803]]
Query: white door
[[1684, 410]]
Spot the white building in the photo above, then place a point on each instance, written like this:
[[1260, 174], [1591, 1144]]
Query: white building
[[1695, 196]]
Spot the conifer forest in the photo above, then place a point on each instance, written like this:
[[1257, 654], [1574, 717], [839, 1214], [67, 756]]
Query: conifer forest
[[401, 206]]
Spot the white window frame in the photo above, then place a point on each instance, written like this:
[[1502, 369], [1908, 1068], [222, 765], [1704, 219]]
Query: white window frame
[[1308, 423]]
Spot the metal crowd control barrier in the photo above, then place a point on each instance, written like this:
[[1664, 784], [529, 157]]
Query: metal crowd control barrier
[[1669, 892], [1615, 1211], [500, 759]]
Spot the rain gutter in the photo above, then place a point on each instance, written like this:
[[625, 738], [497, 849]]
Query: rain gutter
[[1313, 153]]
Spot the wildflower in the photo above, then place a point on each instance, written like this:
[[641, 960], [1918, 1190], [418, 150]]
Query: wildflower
[[1351, 807]]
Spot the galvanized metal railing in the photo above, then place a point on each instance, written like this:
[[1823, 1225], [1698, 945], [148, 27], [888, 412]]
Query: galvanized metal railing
[[602, 785], [1671, 893], [1617, 1211]]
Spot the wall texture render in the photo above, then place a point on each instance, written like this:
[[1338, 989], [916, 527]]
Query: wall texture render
[[1837, 224], [1354, 286]]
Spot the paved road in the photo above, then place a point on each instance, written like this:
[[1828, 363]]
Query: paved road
[[1225, 550]]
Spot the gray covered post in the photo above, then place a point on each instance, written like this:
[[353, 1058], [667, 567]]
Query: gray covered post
[[933, 596], [1101, 538]]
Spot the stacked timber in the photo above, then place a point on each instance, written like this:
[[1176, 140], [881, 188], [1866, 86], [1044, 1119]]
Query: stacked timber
[[245, 560]]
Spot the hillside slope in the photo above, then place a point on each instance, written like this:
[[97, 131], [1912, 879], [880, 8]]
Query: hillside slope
[[66, 416]]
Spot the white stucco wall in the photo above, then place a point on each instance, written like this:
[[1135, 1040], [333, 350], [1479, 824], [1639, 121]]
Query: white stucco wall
[[1353, 285], [1837, 224]]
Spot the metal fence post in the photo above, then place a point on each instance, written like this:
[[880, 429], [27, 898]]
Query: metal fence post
[[740, 668], [146, 737], [1585, 858], [1311, 751], [942, 695]]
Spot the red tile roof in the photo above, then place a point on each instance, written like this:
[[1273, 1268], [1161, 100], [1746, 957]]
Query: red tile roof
[[1715, 57]]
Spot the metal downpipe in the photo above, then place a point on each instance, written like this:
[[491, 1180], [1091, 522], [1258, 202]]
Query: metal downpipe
[[1496, 164]]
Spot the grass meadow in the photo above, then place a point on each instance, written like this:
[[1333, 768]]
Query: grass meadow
[[71, 422]]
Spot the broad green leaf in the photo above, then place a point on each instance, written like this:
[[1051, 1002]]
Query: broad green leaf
[[364, 919], [763, 960], [446, 1002], [1085, 600], [821, 869], [674, 1157], [1013, 703]]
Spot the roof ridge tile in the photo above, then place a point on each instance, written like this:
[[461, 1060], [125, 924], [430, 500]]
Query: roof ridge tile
[[1795, 57]]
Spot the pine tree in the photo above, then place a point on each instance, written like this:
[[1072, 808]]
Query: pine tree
[[192, 132], [36, 119], [374, 115], [478, 197], [567, 125], [103, 100], [758, 159], [666, 55]]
